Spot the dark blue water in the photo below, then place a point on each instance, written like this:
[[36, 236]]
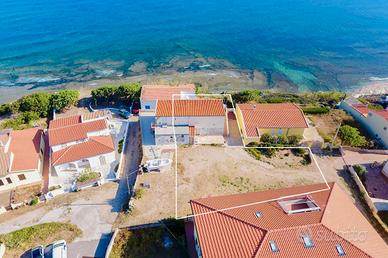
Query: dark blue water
[[314, 44]]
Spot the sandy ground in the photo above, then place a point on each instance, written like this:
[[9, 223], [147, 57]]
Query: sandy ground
[[208, 171]]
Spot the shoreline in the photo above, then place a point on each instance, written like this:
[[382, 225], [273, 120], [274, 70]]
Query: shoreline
[[214, 81]]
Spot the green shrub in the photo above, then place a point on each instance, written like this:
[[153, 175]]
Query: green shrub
[[351, 136], [255, 153], [34, 201], [282, 139], [114, 94], [375, 106], [294, 139], [139, 192], [63, 99], [267, 138], [37, 102], [87, 175], [306, 160], [298, 151], [361, 171], [120, 146], [316, 110]]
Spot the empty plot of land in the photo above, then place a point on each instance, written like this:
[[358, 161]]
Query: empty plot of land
[[210, 171]]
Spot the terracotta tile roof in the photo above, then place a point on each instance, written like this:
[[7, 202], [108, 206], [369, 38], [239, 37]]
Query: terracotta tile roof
[[164, 92], [382, 113], [65, 121], [198, 107], [74, 132], [96, 145], [282, 115], [25, 146], [94, 115], [239, 232], [361, 108]]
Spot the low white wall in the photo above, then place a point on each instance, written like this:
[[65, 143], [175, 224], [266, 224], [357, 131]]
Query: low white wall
[[32, 176]]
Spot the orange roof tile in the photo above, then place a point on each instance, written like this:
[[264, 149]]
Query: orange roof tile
[[25, 146], [282, 115], [198, 107], [74, 132], [238, 232], [65, 121], [164, 92], [361, 108], [96, 145]]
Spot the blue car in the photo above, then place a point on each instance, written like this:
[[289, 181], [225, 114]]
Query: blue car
[[37, 252]]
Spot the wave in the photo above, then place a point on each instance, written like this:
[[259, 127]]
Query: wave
[[373, 78]]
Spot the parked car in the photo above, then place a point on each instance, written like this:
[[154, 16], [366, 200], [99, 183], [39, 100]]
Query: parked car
[[124, 113], [57, 249], [136, 107], [37, 252]]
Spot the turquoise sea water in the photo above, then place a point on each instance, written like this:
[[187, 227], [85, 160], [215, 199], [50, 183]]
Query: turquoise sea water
[[315, 44]]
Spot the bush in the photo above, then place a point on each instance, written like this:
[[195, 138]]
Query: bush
[[361, 171], [113, 94], [316, 110], [87, 175], [255, 153], [298, 151], [351, 136], [246, 96], [267, 138], [5, 109], [294, 139], [306, 160], [138, 193], [269, 153], [37, 102], [34, 201], [63, 99], [120, 146], [282, 139], [375, 106]]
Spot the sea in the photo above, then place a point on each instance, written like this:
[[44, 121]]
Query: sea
[[313, 44]]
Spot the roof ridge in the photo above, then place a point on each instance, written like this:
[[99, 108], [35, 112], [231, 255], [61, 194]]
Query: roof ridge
[[78, 124], [230, 216], [93, 138], [66, 150], [327, 201]]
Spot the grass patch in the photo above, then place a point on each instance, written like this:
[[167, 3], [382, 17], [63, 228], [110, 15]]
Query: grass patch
[[144, 243], [24, 239], [316, 110], [87, 175]]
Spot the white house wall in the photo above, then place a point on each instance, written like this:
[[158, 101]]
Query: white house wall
[[208, 125], [373, 123], [32, 176]]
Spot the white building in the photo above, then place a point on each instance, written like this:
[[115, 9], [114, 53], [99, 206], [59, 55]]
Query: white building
[[21, 158], [80, 143], [374, 121], [190, 120], [150, 94]]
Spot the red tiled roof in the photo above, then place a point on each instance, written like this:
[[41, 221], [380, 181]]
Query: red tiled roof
[[65, 121], [198, 107], [382, 113], [25, 146], [361, 108], [227, 231], [164, 92], [282, 115], [74, 132], [96, 145]]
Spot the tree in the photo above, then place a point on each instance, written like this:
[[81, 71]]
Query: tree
[[127, 91], [36, 102], [63, 99], [351, 136], [104, 94], [246, 96]]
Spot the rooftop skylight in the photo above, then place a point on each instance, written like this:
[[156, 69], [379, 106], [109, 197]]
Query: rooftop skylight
[[340, 250], [298, 205]]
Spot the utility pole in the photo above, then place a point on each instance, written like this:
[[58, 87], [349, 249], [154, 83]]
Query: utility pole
[[335, 136]]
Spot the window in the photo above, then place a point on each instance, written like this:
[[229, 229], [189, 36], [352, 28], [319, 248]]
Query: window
[[308, 242], [102, 160], [22, 177], [147, 107], [274, 247], [280, 132], [340, 250], [8, 180], [258, 214], [385, 128], [1, 182]]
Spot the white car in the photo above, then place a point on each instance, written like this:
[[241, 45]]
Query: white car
[[57, 249]]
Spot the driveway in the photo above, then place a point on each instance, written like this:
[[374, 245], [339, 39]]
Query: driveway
[[93, 210]]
